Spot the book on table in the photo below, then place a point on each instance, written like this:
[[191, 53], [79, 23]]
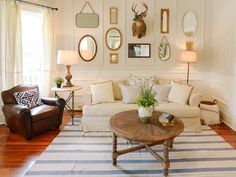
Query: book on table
[[165, 118]]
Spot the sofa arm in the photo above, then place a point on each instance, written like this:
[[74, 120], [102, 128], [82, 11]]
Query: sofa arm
[[195, 99], [14, 110]]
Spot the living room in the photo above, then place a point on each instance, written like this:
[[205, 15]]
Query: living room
[[35, 38]]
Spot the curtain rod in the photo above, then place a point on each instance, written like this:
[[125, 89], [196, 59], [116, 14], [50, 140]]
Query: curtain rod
[[53, 8]]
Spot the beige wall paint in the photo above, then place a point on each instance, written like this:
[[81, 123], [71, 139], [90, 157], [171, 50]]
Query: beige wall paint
[[221, 53]]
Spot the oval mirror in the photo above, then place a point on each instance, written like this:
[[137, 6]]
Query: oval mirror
[[164, 50], [190, 23], [87, 48], [113, 39]]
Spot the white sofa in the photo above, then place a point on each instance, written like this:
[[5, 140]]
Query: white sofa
[[96, 117]]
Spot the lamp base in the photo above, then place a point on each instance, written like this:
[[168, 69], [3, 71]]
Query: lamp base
[[68, 84]]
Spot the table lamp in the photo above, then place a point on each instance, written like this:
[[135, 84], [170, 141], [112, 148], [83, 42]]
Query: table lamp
[[68, 58], [188, 56]]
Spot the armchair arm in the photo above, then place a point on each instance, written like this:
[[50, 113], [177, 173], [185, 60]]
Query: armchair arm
[[195, 99], [14, 110], [54, 101]]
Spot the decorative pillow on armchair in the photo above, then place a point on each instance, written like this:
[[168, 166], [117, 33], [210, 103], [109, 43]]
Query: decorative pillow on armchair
[[179, 93], [29, 98]]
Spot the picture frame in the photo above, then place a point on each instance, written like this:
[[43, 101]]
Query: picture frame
[[113, 15], [114, 58], [165, 20], [139, 50]]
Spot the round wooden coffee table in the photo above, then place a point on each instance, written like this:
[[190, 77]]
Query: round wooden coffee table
[[128, 126]]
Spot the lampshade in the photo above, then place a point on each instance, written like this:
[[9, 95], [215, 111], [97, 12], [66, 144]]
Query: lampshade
[[188, 56], [67, 57]]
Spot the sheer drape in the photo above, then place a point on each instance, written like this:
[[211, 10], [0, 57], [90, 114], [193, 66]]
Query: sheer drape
[[10, 45], [49, 62]]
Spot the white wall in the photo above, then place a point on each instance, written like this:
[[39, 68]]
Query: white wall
[[221, 53], [68, 36]]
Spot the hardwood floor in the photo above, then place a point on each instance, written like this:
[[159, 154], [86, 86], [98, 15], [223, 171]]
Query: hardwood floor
[[17, 155]]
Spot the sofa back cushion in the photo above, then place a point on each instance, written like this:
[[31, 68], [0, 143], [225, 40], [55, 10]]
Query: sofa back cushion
[[102, 92], [116, 89], [179, 93], [129, 93]]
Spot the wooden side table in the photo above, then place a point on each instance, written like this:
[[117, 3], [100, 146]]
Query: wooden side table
[[71, 90]]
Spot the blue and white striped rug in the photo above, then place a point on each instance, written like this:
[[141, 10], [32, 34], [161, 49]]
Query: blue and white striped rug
[[194, 154]]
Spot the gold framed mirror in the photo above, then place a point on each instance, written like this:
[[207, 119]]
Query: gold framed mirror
[[87, 48], [113, 39], [190, 23], [164, 49]]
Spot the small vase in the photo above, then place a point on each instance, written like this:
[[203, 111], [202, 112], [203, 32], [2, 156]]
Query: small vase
[[58, 85], [145, 114]]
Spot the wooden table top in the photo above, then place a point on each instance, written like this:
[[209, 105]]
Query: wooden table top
[[128, 125]]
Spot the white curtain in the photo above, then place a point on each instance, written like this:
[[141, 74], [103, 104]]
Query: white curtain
[[10, 46], [49, 62]]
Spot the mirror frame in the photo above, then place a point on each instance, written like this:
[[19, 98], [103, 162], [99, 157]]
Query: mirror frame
[[196, 23], [87, 35], [164, 41], [120, 39]]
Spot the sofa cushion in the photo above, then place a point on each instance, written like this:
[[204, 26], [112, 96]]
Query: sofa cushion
[[179, 93], [109, 109], [102, 92], [43, 112], [116, 89], [129, 93]]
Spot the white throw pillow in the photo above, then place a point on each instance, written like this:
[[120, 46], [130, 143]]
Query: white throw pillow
[[179, 93], [162, 92], [129, 93], [102, 92]]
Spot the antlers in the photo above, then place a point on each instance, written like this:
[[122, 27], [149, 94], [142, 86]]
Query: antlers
[[142, 13]]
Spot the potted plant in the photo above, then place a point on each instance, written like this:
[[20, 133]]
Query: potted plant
[[59, 80], [147, 102]]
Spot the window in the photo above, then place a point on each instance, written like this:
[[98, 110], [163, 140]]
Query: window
[[32, 46]]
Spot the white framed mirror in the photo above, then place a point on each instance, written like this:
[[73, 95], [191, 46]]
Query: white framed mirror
[[164, 49], [87, 48], [113, 39], [190, 23]]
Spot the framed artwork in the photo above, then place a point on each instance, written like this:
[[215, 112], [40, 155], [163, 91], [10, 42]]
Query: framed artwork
[[165, 21], [114, 58], [139, 50], [113, 15]]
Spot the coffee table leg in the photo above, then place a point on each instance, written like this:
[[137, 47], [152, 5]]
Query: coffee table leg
[[114, 149], [166, 158]]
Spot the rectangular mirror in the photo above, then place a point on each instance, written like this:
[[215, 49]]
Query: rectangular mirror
[[139, 50], [113, 15], [165, 21], [87, 20]]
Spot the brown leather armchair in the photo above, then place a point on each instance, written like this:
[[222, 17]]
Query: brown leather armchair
[[30, 122]]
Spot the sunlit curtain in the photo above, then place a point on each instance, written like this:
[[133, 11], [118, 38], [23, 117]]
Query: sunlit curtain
[[49, 62], [10, 46]]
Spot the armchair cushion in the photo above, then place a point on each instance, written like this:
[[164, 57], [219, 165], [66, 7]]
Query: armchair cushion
[[43, 112], [29, 98]]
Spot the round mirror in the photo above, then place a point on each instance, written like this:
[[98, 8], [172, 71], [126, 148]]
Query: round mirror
[[164, 49], [87, 48], [113, 39], [190, 23]]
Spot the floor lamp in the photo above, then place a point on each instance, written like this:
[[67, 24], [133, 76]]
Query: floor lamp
[[68, 58], [188, 56]]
